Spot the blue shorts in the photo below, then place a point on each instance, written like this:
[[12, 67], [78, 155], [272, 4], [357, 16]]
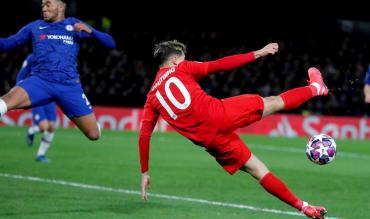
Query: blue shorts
[[69, 97], [47, 112]]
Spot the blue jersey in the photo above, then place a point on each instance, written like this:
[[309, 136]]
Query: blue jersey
[[25, 71], [55, 48], [367, 76]]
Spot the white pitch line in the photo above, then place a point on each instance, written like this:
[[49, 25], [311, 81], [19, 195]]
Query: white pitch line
[[162, 196]]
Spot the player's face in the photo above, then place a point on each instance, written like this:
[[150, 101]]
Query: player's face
[[50, 9]]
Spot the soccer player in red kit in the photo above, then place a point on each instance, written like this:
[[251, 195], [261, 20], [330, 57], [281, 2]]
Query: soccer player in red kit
[[211, 123]]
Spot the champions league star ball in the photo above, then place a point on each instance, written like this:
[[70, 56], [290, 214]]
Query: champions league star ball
[[321, 149]]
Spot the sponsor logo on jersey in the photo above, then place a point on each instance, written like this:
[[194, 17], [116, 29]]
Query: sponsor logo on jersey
[[66, 39], [69, 27], [42, 37]]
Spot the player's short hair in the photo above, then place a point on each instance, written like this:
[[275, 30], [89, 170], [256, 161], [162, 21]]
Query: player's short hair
[[64, 2], [163, 50]]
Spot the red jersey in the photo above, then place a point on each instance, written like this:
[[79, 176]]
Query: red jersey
[[179, 99]]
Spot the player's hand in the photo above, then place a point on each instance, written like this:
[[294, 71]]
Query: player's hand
[[367, 98], [145, 185], [270, 48], [82, 27]]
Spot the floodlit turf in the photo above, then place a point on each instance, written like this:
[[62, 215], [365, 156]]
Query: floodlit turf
[[177, 168]]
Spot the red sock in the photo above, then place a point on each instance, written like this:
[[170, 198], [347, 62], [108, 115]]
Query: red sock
[[295, 97], [276, 187]]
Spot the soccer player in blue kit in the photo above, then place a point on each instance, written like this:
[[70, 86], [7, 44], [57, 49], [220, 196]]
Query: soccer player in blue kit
[[367, 86], [43, 117], [54, 78]]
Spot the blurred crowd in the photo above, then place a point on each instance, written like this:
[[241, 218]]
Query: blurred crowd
[[123, 76]]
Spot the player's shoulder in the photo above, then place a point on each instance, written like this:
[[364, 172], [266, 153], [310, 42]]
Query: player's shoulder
[[187, 63], [30, 58], [72, 20], [183, 65], [189, 67], [36, 23]]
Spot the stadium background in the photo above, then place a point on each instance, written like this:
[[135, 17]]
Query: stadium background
[[337, 43], [102, 180]]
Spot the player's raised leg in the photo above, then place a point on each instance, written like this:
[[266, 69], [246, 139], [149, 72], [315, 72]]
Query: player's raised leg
[[316, 81], [276, 187], [89, 126], [16, 98], [78, 108], [30, 92], [295, 97]]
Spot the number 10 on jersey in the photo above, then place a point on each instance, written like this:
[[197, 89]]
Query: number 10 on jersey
[[185, 93]]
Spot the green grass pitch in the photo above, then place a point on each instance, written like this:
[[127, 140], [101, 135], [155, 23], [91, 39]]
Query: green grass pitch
[[102, 179]]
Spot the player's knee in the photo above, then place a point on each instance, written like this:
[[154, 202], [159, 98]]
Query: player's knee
[[272, 104], [3, 107], [93, 135], [44, 126], [276, 102], [43, 129], [51, 127]]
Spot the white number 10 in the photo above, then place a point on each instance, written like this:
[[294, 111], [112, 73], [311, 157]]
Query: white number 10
[[177, 104]]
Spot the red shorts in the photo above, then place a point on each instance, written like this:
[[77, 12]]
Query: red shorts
[[229, 151], [227, 147], [241, 111]]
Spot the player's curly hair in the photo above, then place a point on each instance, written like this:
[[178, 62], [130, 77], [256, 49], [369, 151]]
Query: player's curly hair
[[163, 50]]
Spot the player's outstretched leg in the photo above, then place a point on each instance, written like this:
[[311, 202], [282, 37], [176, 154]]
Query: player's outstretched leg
[[89, 126], [295, 97], [277, 187], [313, 211], [317, 82]]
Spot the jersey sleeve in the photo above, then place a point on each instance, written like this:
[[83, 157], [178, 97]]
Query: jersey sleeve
[[201, 69], [150, 117], [22, 37], [104, 38], [25, 70], [367, 76]]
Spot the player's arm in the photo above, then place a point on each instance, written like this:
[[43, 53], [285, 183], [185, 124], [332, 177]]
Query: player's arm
[[148, 122], [25, 70], [367, 86], [367, 93], [87, 31], [16, 40], [233, 61]]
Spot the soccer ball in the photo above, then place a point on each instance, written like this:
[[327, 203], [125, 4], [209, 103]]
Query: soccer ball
[[321, 149]]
